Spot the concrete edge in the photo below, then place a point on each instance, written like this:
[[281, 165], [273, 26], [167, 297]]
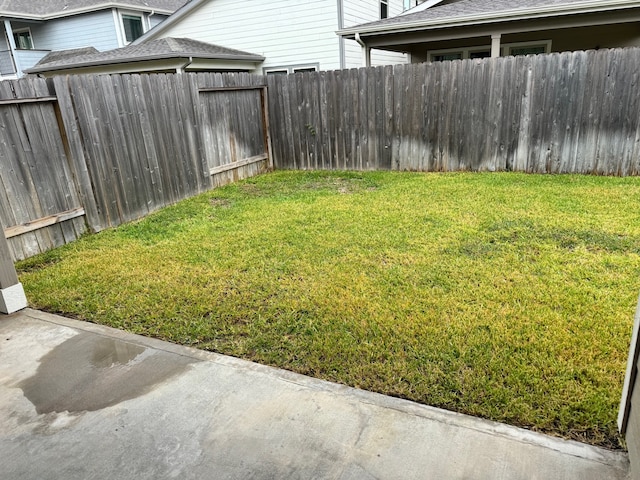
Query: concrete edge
[[488, 427]]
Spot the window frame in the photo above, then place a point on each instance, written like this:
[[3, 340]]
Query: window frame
[[16, 33], [465, 52], [384, 9], [289, 69], [507, 47], [144, 22]]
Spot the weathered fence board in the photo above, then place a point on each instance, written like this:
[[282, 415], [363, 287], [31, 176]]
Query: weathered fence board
[[571, 112], [35, 173], [103, 150]]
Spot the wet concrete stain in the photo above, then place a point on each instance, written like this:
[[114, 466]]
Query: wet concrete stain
[[88, 372]]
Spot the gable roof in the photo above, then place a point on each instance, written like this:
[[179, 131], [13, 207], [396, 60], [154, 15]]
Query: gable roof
[[164, 48], [48, 9], [469, 12]]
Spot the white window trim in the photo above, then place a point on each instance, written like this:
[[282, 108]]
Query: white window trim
[[291, 68], [385, 3], [466, 51], [22, 30], [505, 49], [119, 14]]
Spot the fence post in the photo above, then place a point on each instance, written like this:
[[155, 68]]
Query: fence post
[[12, 297], [631, 374]]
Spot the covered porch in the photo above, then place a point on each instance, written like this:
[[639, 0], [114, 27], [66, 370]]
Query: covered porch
[[429, 41], [17, 49]]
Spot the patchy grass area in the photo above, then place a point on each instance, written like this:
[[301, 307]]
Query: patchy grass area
[[505, 296]]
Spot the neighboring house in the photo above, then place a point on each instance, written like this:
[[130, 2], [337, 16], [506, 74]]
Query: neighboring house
[[457, 29], [292, 35], [33, 28], [165, 55]]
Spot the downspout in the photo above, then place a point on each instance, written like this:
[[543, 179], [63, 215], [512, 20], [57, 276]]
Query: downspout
[[341, 47], [153, 12], [366, 51], [180, 70]]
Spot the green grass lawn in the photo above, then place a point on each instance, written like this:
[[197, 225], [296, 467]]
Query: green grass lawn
[[505, 296]]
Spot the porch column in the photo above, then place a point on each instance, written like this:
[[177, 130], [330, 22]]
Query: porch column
[[12, 297], [495, 45], [12, 46]]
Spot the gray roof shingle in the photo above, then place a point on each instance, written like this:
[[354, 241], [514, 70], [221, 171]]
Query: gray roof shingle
[[457, 9], [54, 8], [151, 50]]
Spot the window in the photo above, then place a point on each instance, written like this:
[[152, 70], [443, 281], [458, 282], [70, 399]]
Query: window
[[133, 28], [528, 50], [524, 48], [23, 39], [441, 57], [305, 69], [384, 9], [291, 69], [480, 54], [459, 54], [407, 4]]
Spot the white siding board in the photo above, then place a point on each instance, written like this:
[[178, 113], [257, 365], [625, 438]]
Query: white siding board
[[286, 32], [354, 59], [364, 11]]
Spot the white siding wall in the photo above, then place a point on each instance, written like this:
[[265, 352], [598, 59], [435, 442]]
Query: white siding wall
[[89, 30], [286, 32], [364, 11]]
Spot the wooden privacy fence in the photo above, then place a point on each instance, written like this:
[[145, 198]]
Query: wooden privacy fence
[[573, 112], [98, 151]]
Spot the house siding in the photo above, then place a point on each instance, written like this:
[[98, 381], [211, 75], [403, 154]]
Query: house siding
[[155, 19], [28, 58], [95, 29], [286, 32], [362, 11]]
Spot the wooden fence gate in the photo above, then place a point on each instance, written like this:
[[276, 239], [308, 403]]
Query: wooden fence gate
[[38, 199], [235, 126], [114, 148]]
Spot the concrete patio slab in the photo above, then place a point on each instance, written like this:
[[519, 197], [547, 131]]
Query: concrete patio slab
[[80, 401]]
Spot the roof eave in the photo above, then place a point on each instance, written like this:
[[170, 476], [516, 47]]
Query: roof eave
[[80, 11], [495, 17], [150, 58]]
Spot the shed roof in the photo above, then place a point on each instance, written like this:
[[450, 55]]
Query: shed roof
[[164, 48], [46, 9]]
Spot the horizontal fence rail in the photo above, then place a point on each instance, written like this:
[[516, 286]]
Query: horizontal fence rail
[[573, 112]]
